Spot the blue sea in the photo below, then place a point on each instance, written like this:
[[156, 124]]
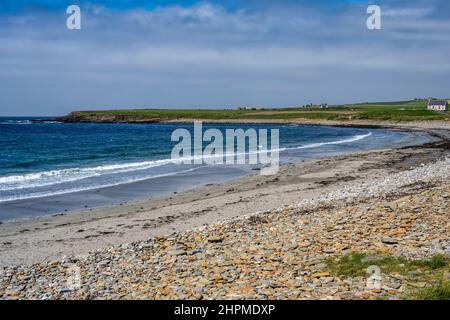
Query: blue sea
[[49, 167]]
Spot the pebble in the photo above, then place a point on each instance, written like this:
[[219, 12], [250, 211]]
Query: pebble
[[389, 240], [179, 252], [215, 239]]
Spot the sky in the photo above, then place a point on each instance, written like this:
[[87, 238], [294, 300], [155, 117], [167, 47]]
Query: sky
[[218, 54]]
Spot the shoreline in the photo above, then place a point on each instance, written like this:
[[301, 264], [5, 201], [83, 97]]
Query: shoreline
[[388, 204], [140, 190], [48, 238], [436, 128], [381, 124]]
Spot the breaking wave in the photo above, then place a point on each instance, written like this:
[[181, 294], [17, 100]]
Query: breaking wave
[[32, 182]]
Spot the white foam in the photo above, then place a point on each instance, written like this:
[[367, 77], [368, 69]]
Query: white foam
[[320, 144], [87, 188], [46, 178], [16, 122], [55, 177]]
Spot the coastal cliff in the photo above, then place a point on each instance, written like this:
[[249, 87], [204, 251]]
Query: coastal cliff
[[99, 117]]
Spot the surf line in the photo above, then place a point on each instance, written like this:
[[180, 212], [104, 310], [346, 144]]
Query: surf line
[[190, 150]]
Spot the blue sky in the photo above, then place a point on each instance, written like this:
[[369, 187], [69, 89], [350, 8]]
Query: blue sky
[[15, 5], [218, 54]]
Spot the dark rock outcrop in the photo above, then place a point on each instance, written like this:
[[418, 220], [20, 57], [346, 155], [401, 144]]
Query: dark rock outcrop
[[87, 117]]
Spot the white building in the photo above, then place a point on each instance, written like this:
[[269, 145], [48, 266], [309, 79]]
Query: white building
[[437, 105]]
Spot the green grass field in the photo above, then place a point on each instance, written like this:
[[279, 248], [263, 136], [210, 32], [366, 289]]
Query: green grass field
[[387, 111], [433, 272]]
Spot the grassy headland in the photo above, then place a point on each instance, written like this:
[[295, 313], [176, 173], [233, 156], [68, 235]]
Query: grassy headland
[[381, 111]]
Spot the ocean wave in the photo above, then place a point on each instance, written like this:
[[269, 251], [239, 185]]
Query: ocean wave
[[321, 144], [55, 177], [343, 141], [87, 188], [16, 122], [46, 178]]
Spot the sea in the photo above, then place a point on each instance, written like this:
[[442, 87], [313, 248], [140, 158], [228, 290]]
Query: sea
[[49, 168]]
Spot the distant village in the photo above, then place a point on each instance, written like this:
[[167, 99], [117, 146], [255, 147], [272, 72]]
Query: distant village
[[306, 106]]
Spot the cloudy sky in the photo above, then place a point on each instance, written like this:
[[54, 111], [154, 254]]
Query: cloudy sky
[[218, 54]]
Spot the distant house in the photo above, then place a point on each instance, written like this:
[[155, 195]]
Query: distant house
[[437, 105], [251, 108]]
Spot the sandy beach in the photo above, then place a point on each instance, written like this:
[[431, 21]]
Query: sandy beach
[[50, 238], [184, 246]]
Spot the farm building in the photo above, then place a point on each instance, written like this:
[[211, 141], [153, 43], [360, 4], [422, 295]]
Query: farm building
[[438, 105]]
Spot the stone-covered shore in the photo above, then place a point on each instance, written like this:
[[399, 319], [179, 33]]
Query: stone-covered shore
[[282, 254]]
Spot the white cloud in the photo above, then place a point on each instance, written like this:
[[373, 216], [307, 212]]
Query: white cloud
[[407, 12], [206, 55]]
